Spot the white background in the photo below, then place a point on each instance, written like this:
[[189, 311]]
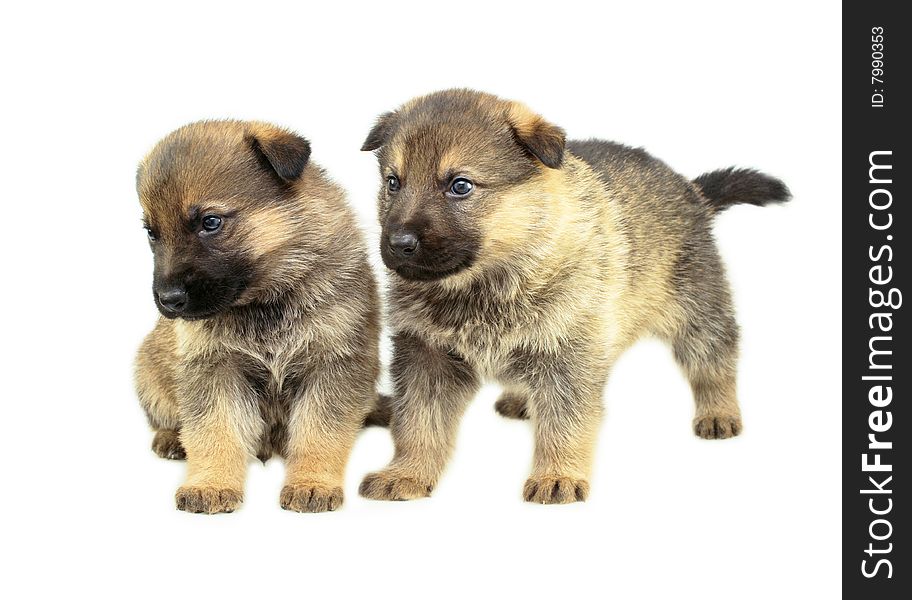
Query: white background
[[88, 508]]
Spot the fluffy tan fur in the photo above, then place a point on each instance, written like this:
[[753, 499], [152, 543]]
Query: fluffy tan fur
[[289, 366], [576, 250]]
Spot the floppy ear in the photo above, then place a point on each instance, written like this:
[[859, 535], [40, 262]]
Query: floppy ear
[[542, 139], [381, 132], [283, 151]]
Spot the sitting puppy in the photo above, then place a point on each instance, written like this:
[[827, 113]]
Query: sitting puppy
[[536, 262], [268, 341]]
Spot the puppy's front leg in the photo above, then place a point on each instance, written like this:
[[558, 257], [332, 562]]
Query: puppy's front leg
[[220, 430], [433, 388], [325, 420], [564, 402]]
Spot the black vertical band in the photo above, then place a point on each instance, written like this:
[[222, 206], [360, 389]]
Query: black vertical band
[[877, 370]]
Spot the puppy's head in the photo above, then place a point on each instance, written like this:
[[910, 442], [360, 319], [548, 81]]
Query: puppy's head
[[455, 167], [218, 199]]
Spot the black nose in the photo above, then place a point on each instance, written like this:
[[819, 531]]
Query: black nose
[[174, 299], [403, 243]]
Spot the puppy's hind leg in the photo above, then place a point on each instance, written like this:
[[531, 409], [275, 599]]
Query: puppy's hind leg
[[166, 443], [706, 347], [157, 392], [718, 415], [512, 405]]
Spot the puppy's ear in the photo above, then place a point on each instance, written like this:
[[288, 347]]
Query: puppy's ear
[[542, 139], [139, 173], [283, 151], [381, 132]]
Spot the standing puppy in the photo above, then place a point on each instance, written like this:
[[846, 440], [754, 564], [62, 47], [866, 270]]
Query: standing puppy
[[269, 333], [536, 262]]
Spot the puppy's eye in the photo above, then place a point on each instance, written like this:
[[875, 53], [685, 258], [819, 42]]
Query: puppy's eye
[[461, 187], [392, 183], [150, 233], [211, 224]]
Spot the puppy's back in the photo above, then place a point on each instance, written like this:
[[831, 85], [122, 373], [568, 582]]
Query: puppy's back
[[636, 179]]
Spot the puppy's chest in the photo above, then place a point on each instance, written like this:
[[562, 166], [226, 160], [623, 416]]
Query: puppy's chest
[[273, 372], [276, 376], [484, 336], [272, 362], [485, 349]]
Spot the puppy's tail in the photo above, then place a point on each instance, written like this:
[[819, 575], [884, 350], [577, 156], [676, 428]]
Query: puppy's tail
[[380, 415], [726, 187]]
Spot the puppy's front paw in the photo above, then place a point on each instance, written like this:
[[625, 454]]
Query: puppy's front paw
[[166, 444], [554, 489], [387, 485], [511, 406], [310, 497], [209, 500], [716, 427]]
